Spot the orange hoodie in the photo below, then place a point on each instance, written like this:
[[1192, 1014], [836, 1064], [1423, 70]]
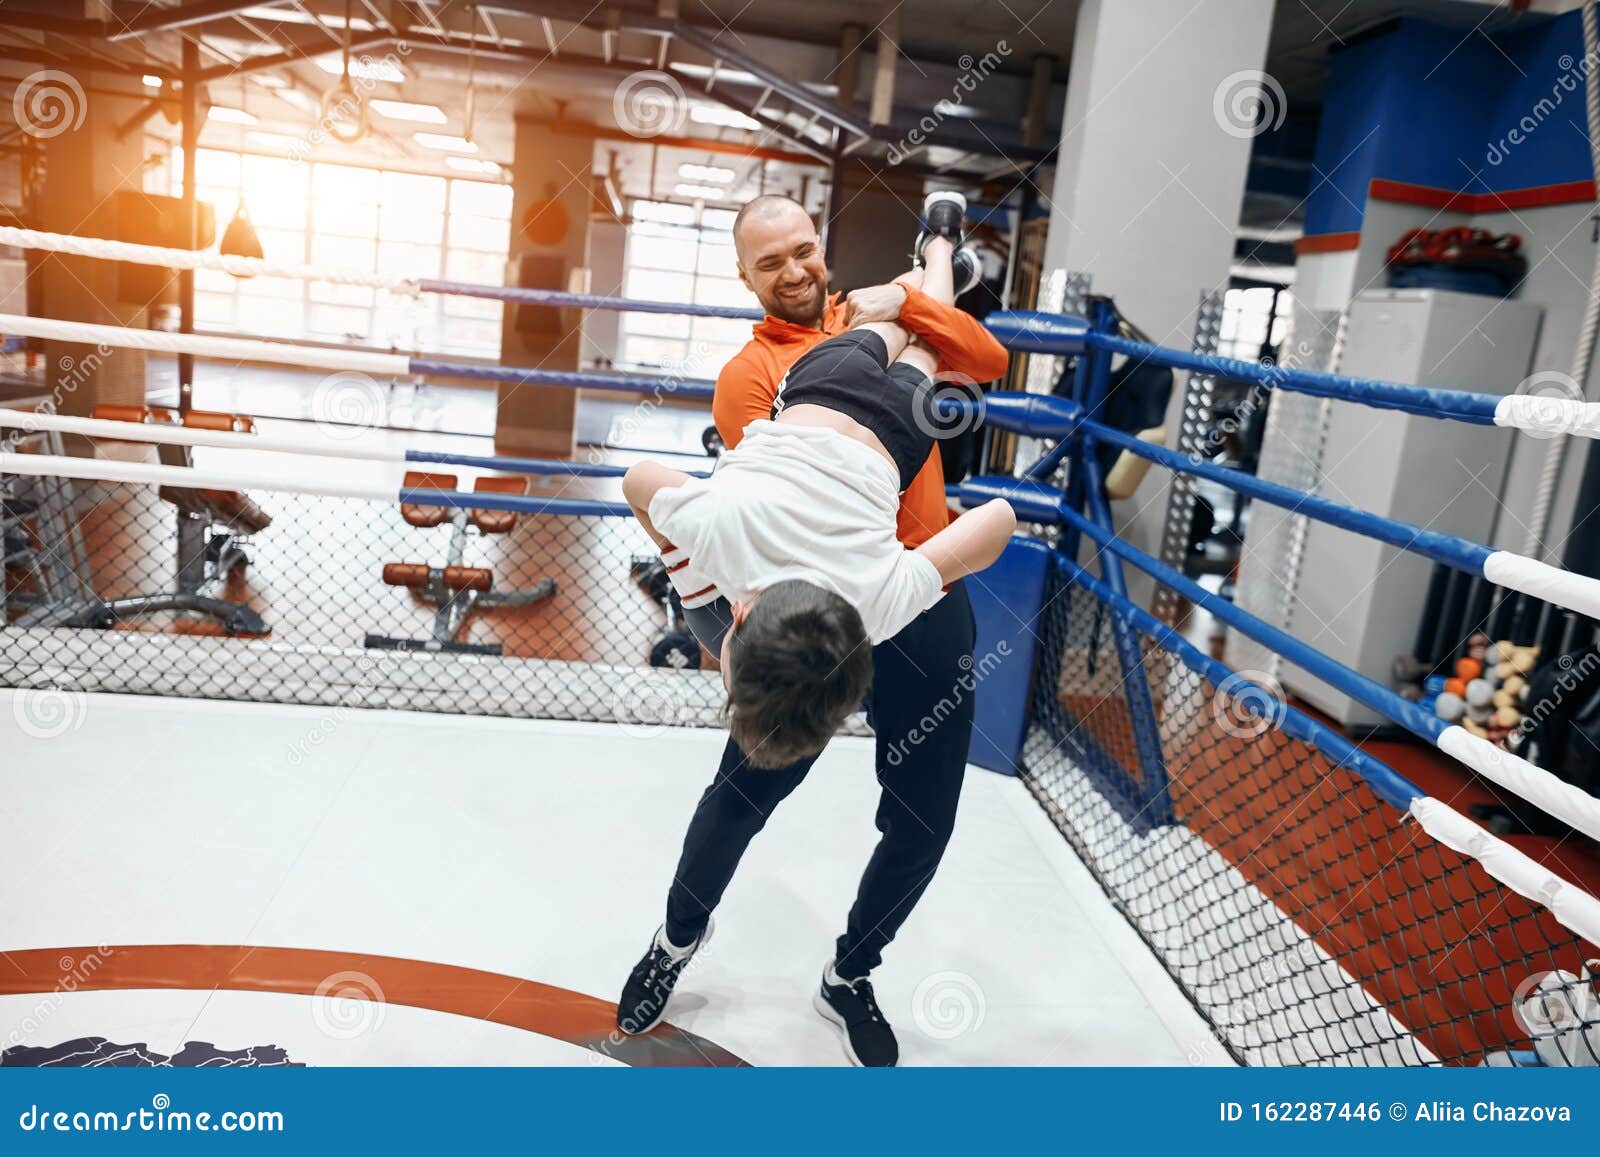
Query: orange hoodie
[[748, 384]]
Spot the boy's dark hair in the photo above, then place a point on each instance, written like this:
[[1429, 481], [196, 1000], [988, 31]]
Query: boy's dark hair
[[801, 664]]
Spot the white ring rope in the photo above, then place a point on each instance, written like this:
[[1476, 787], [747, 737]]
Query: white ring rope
[[196, 259], [230, 349], [115, 430], [152, 474], [1571, 905]]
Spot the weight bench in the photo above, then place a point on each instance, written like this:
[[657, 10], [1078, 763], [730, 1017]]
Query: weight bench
[[211, 525], [454, 589]]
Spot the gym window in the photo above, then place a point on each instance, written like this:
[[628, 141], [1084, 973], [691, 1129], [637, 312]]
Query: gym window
[[682, 253], [346, 217]]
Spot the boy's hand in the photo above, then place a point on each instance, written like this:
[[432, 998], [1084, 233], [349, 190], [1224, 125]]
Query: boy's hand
[[874, 303]]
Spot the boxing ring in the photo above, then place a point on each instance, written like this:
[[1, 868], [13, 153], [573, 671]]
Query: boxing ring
[[1313, 904]]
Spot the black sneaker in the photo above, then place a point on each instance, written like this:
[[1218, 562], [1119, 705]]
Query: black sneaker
[[851, 1007], [966, 270], [650, 984], [943, 214]]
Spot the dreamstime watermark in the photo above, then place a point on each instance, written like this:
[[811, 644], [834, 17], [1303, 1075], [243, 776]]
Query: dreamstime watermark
[[973, 73], [49, 712], [75, 973], [1570, 676], [362, 696], [345, 404], [624, 428], [1550, 411], [1254, 401], [647, 701], [947, 405], [972, 673], [49, 103], [73, 373], [1574, 75], [1249, 102], [348, 1004], [1552, 1004], [1248, 704], [948, 1005], [649, 103]]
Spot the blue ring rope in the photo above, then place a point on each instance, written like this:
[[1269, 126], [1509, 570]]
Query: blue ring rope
[[1363, 690], [1425, 401], [1446, 548], [659, 384], [1388, 784]]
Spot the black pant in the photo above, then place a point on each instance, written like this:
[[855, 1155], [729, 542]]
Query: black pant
[[921, 709]]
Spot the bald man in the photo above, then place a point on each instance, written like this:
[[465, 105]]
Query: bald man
[[918, 670]]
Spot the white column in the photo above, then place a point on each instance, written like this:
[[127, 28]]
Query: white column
[[1162, 98]]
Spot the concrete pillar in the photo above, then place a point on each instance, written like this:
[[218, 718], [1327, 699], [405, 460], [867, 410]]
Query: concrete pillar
[[74, 118], [551, 182], [1151, 173]]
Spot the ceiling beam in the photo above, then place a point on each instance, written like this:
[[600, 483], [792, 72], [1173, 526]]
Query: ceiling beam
[[141, 19]]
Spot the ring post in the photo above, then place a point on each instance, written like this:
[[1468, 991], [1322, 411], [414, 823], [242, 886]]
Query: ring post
[[1085, 494]]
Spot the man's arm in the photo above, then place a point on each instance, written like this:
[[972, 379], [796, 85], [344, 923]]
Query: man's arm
[[972, 542], [744, 394], [962, 342]]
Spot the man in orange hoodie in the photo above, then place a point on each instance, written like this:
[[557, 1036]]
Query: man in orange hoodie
[[917, 675]]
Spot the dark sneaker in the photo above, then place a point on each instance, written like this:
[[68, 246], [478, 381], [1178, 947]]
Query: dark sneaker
[[966, 270], [943, 214], [650, 984], [851, 1007]]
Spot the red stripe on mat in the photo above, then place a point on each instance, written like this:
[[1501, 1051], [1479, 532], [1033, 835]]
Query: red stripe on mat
[[554, 1012]]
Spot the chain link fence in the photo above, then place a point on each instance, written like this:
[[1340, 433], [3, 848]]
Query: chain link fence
[[293, 598], [1306, 919]]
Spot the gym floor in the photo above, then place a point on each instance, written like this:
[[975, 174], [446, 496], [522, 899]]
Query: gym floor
[[474, 891]]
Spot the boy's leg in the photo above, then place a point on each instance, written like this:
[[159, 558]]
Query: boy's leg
[[731, 811]]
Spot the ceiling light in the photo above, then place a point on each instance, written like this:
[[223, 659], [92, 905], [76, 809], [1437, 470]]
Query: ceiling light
[[448, 143], [473, 165], [269, 80], [401, 110], [363, 68], [152, 81], [713, 173], [230, 116], [700, 192], [296, 16], [707, 114]]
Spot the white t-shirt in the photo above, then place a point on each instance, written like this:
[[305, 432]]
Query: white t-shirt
[[800, 502]]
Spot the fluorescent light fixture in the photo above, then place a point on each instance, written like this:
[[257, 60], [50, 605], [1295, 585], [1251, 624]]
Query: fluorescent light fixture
[[269, 14], [701, 192], [709, 114], [152, 81], [363, 68], [715, 174], [274, 140], [269, 80], [222, 114], [448, 143], [473, 165], [403, 110]]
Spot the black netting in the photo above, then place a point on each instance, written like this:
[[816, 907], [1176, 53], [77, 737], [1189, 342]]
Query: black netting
[[1308, 921], [112, 587]]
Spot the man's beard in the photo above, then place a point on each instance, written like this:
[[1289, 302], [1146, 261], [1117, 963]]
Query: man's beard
[[806, 312]]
